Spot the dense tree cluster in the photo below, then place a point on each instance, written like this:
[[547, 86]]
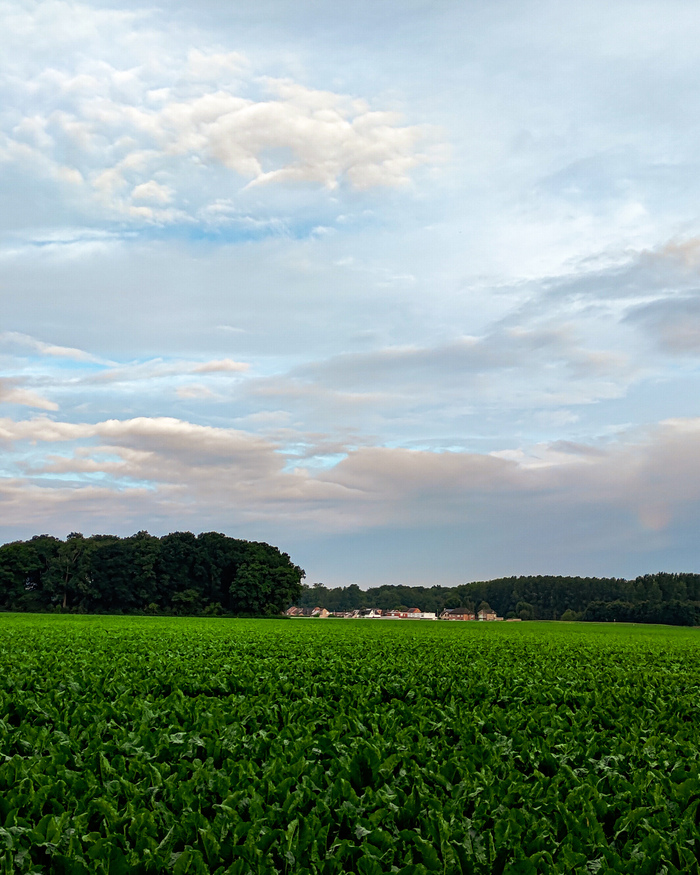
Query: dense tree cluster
[[652, 598], [179, 573]]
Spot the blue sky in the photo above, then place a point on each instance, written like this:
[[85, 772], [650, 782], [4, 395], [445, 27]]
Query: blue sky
[[410, 290]]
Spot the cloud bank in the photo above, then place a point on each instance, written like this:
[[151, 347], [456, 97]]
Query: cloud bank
[[164, 468], [415, 297]]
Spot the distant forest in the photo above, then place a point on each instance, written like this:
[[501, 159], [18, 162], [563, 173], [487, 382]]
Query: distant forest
[[176, 574], [212, 574], [653, 598]]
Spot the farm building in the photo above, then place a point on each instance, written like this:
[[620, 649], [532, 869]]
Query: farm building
[[457, 614]]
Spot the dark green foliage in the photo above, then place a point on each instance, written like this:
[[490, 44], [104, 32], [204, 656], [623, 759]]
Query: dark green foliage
[[161, 745], [653, 598], [674, 612], [179, 573]]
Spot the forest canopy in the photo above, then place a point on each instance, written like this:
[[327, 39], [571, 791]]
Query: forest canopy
[[179, 573]]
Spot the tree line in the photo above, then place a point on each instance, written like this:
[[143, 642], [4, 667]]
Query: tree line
[[651, 598], [179, 573], [213, 574]]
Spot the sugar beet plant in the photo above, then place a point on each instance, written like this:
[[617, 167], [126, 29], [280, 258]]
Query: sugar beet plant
[[149, 745]]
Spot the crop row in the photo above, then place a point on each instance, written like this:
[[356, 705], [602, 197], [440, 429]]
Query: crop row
[[223, 746]]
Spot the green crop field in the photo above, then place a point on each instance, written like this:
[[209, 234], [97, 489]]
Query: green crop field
[[211, 746]]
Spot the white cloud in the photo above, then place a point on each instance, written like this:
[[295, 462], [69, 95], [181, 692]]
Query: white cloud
[[152, 192], [221, 366], [42, 429], [11, 393], [145, 138]]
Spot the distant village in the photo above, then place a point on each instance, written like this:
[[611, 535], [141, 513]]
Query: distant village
[[409, 614]]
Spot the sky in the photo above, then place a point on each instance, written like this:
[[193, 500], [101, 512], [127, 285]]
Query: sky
[[410, 290]]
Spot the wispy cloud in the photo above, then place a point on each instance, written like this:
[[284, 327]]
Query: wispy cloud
[[672, 323], [194, 390], [157, 369], [222, 366], [12, 392], [26, 342]]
